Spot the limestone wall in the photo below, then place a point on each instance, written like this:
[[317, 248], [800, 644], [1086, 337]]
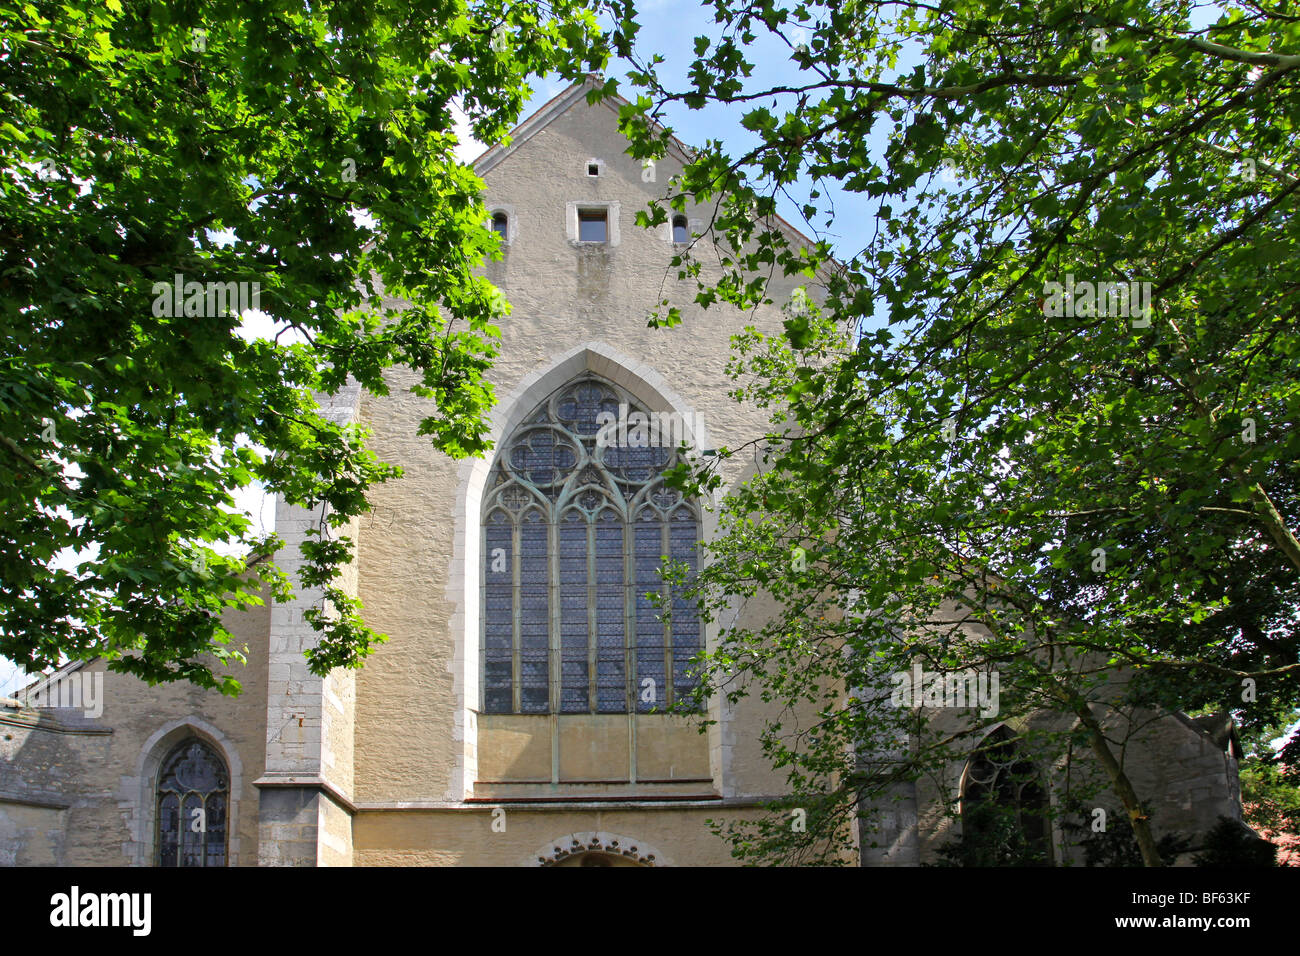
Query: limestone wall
[[464, 836], [575, 309], [79, 791]]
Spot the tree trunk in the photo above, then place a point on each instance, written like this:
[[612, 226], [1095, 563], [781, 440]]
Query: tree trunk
[[1123, 788]]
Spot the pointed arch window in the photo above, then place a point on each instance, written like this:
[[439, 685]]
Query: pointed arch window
[[1004, 807], [577, 523], [193, 794]]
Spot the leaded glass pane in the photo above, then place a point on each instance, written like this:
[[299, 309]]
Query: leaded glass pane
[[611, 616], [534, 649], [169, 814], [498, 678], [684, 532], [543, 459], [498, 614], [636, 466], [649, 628], [216, 819], [579, 407], [573, 614], [534, 689], [193, 830], [532, 549]]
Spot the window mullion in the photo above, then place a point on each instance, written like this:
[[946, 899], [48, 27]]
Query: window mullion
[[629, 612], [593, 620], [516, 616], [666, 550]]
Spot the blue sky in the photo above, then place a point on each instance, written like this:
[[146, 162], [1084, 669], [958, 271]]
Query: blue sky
[[669, 28]]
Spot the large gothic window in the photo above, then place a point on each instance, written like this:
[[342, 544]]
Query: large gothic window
[[576, 525], [193, 790]]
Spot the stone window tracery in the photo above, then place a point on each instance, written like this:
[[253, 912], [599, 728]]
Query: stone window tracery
[[193, 794], [575, 530]]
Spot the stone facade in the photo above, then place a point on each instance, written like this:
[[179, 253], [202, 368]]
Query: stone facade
[[396, 763], [79, 791]]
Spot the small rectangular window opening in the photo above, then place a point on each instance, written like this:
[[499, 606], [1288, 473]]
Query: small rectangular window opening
[[680, 232], [593, 169], [593, 225]]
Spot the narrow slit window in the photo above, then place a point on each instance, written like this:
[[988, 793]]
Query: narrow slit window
[[680, 231], [593, 225]]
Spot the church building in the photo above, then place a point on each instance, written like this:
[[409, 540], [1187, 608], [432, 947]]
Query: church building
[[515, 717]]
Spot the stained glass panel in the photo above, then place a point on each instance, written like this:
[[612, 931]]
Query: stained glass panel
[[192, 792], [498, 614], [573, 614], [651, 688], [169, 816], [611, 615], [684, 533], [559, 501]]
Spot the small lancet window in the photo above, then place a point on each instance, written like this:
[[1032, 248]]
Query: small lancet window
[[193, 794], [680, 231]]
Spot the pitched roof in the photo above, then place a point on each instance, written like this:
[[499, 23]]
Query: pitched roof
[[555, 106], [561, 103]]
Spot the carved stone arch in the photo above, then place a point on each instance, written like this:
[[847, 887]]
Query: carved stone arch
[[589, 477], [138, 797], [570, 850], [641, 381]]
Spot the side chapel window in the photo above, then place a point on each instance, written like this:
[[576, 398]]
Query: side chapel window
[[575, 531], [193, 792], [1004, 803]]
